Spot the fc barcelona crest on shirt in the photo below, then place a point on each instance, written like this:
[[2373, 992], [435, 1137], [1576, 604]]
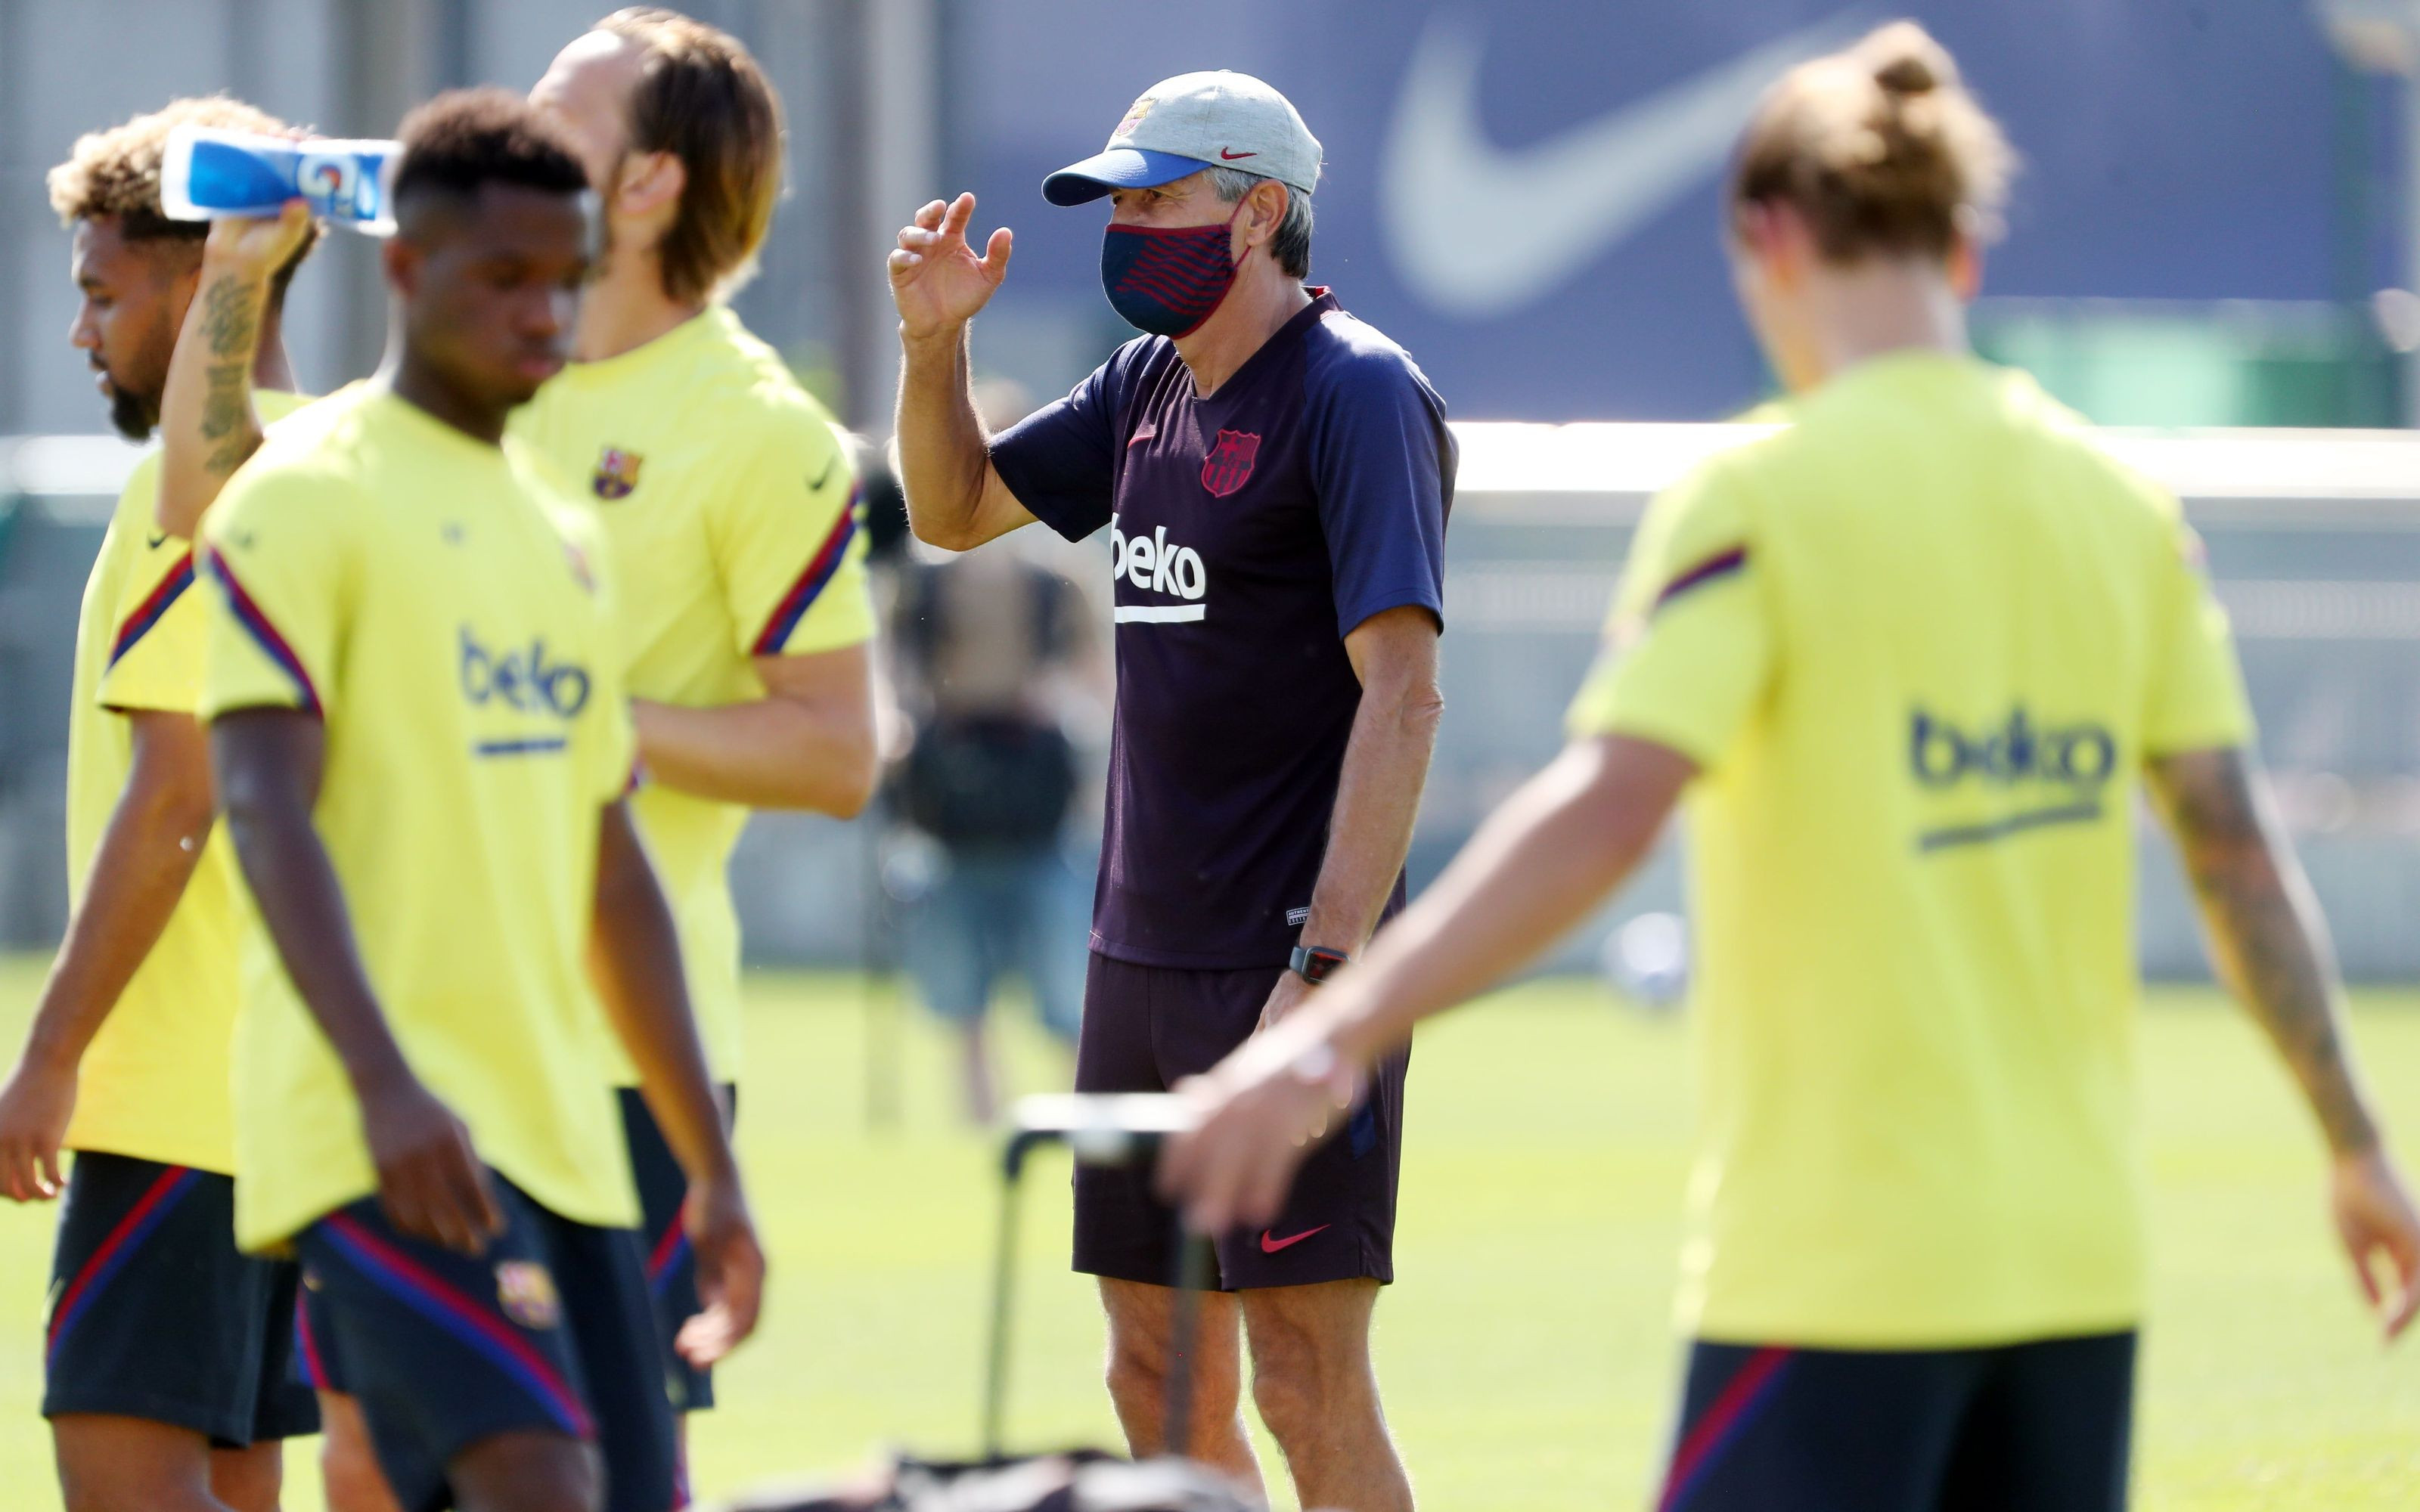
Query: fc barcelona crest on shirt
[[617, 472], [1229, 466]]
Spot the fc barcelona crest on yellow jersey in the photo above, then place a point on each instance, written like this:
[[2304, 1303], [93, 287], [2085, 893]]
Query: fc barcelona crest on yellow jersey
[[617, 472]]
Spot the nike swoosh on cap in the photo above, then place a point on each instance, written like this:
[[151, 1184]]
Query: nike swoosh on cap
[[1478, 232], [1235, 156]]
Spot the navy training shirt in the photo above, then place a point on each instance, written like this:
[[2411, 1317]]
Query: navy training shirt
[[1249, 532]]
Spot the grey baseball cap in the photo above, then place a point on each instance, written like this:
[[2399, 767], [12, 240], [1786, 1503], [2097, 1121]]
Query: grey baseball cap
[[1194, 121]]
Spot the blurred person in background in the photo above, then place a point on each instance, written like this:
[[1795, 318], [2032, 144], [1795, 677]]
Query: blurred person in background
[[729, 496], [1910, 659], [1001, 670], [167, 1373], [1274, 476]]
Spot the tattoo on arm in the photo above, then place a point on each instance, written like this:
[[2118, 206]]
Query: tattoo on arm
[[232, 328], [229, 323], [2265, 934]]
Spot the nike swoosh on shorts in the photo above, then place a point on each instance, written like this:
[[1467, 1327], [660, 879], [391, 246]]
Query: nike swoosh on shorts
[[1271, 1244]]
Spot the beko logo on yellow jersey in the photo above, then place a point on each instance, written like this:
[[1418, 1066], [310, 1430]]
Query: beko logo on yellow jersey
[[2016, 749], [2014, 777], [522, 680], [1152, 564]]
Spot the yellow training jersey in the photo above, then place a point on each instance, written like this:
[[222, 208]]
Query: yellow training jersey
[[731, 505], [419, 593], [1921, 643], [153, 1083]]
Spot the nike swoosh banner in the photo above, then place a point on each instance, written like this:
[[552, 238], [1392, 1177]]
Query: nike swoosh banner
[[1523, 193]]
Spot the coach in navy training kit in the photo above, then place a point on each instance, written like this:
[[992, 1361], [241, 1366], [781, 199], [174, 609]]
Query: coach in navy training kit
[[1275, 475]]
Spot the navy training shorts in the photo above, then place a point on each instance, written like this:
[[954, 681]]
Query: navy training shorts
[[548, 1332], [1145, 1027], [154, 1312], [2037, 1426]]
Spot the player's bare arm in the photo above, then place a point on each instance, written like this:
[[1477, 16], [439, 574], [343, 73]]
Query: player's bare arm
[[208, 424], [269, 764], [955, 500], [809, 743], [146, 854], [1394, 653], [2271, 946], [635, 960], [1539, 865]]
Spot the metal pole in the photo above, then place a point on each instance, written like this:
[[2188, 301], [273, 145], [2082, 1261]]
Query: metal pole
[[995, 1405], [1193, 1262], [2384, 37], [2411, 218], [1003, 1279]]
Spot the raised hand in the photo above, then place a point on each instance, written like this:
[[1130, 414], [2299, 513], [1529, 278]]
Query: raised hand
[[256, 246], [936, 276]]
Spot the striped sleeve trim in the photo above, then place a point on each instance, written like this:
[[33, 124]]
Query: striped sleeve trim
[[153, 608], [810, 585], [256, 624], [1713, 570]]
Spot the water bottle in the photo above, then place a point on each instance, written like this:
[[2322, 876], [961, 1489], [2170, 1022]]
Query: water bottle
[[207, 172]]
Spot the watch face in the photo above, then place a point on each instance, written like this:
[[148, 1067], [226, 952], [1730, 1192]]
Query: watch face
[[1313, 963]]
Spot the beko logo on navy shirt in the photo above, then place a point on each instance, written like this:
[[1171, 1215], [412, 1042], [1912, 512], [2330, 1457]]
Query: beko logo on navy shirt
[[1155, 564]]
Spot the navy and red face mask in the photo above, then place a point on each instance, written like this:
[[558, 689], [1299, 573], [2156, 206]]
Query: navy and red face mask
[[1168, 280]]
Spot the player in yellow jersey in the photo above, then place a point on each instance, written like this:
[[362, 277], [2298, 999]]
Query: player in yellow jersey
[[730, 498], [1910, 660], [414, 693], [167, 1351]]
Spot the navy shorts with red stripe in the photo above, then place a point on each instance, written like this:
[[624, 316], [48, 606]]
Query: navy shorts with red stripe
[[1146, 1027], [154, 1314], [663, 1245], [548, 1332], [2037, 1426]]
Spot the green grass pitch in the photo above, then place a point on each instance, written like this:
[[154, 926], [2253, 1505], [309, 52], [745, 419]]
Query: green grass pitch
[[1526, 1353]]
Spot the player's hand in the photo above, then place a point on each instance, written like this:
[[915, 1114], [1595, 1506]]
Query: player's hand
[[1256, 1115], [256, 246], [2376, 1221], [729, 1270], [1291, 991], [431, 1179], [936, 275], [34, 1108]]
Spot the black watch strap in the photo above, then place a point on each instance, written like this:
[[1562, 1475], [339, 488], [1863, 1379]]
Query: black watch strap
[[1316, 963]]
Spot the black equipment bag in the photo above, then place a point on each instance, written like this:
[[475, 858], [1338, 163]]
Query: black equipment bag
[[988, 781]]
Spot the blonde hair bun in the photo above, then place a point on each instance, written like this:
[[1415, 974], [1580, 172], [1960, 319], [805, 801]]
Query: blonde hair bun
[[1880, 148], [1905, 60]]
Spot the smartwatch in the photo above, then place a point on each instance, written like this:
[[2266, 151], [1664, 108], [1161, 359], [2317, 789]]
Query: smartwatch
[[1315, 963]]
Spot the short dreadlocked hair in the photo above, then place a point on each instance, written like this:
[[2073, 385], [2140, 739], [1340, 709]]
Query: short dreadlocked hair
[[114, 175], [468, 138]]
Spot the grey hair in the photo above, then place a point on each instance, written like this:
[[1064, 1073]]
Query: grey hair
[[1291, 246]]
